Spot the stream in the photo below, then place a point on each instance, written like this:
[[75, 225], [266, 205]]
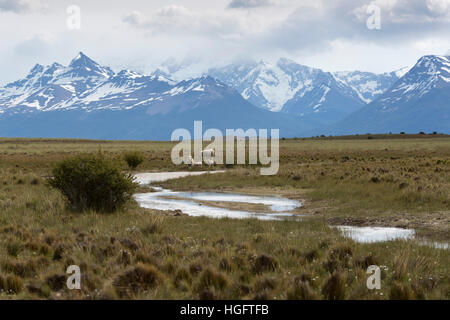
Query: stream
[[280, 208], [164, 199]]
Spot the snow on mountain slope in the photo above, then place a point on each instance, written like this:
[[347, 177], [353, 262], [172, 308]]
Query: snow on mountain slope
[[125, 90], [368, 85], [419, 101], [83, 84], [294, 88], [430, 72], [52, 87], [264, 84], [326, 101], [280, 87], [85, 99]]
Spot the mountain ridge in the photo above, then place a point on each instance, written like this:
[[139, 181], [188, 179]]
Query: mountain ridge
[[78, 100], [87, 100], [311, 93], [419, 101]]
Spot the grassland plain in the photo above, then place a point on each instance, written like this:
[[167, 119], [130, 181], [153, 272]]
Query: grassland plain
[[401, 181]]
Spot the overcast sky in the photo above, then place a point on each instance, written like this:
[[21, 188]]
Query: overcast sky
[[142, 34]]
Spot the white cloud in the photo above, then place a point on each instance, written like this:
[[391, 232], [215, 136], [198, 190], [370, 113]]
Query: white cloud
[[180, 21], [239, 4], [134, 18], [438, 7], [309, 27], [407, 11], [403, 21], [326, 34], [36, 46]]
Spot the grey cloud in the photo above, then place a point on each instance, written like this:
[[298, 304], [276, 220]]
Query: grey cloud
[[178, 20], [38, 45], [14, 6], [19, 6], [134, 18], [309, 28], [235, 4], [317, 27]]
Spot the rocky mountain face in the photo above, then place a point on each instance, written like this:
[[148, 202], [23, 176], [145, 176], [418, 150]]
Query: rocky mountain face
[[312, 94], [419, 101], [88, 100]]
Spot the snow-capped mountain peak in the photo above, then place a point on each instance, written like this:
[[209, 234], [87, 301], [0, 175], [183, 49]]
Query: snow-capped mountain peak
[[86, 85], [437, 67], [83, 66], [54, 86], [367, 85], [265, 84], [401, 72], [38, 68], [64, 96], [419, 101], [429, 73], [163, 76]]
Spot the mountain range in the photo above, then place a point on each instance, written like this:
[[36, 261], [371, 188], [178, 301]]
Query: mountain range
[[417, 102], [88, 100], [319, 97]]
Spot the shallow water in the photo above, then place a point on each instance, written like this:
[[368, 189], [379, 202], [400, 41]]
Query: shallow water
[[376, 234], [276, 204], [147, 178], [434, 244], [158, 200], [280, 208]]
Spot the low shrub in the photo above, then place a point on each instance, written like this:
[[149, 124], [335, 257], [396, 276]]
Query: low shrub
[[133, 159], [92, 183]]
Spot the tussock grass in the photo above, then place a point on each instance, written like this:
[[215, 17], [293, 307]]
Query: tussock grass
[[137, 253], [138, 279]]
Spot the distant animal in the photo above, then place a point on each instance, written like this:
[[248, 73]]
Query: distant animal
[[209, 153], [210, 162], [193, 163]]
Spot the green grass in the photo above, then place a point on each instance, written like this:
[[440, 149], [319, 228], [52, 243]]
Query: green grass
[[137, 253]]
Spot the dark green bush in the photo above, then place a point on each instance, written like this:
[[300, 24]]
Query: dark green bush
[[133, 159], [92, 182]]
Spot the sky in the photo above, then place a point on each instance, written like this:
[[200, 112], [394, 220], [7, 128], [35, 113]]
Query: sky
[[334, 35]]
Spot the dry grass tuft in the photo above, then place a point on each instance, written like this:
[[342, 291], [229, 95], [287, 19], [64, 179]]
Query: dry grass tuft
[[138, 253], [334, 287], [211, 278], [400, 291], [138, 279], [301, 290], [56, 282], [265, 263]]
